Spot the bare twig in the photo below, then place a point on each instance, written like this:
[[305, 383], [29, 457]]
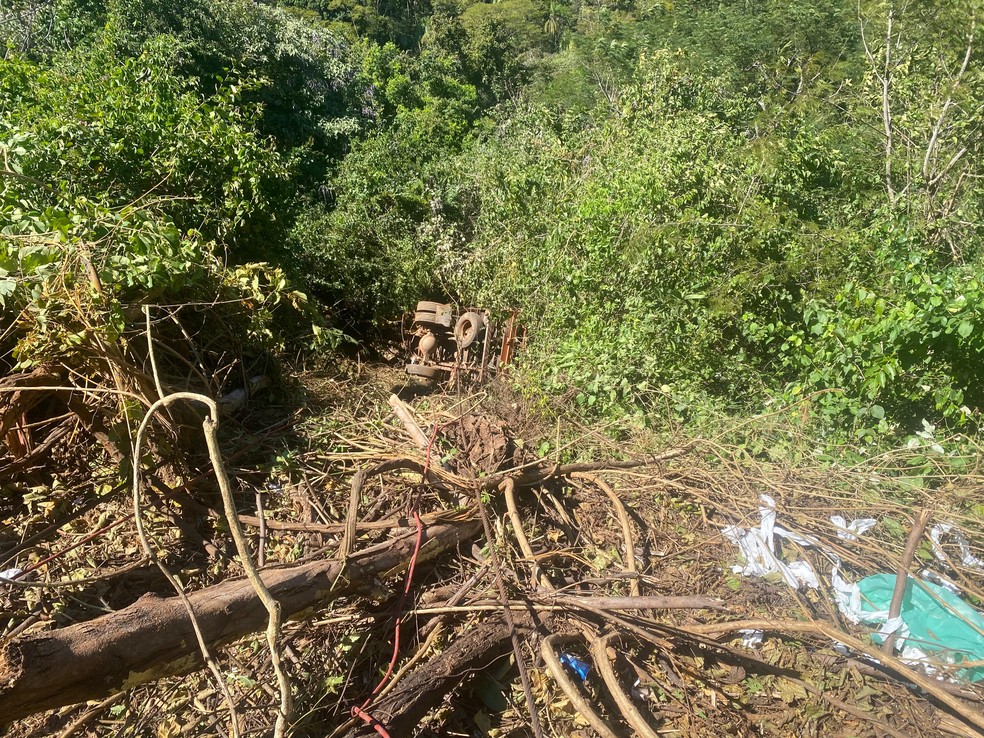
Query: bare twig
[[881, 727], [886, 80], [556, 670], [355, 493], [431, 636], [152, 554], [399, 522], [84, 390], [623, 518], [401, 410], [75, 583], [537, 473], [934, 138], [209, 426], [884, 77], [85, 717], [599, 651], [508, 488], [261, 540], [272, 605], [970, 716], [651, 602], [902, 575], [524, 676]]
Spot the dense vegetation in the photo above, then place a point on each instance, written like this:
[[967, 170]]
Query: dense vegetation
[[696, 206]]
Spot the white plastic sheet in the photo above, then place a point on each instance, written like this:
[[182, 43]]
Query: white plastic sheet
[[967, 557], [758, 548], [850, 531]]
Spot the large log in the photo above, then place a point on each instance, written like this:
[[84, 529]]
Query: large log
[[153, 637]]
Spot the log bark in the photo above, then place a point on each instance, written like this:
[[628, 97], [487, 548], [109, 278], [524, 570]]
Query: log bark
[[402, 710], [153, 638]]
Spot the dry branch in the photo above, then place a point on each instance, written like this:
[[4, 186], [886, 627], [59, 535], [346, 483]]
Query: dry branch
[[643, 602], [540, 472], [403, 412], [623, 519], [508, 619], [599, 652], [359, 479], [556, 670], [972, 716], [153, 638], [902, 575], [425, 688]]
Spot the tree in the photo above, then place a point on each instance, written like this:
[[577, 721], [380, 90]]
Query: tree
[[925, 84]]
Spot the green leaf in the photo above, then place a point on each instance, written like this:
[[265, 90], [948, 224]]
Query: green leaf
[[877, 412], [965, 329], [893, 527], [7, 287]]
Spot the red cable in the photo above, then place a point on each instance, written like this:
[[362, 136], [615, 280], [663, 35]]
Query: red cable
[[360, 712], [370, 721], [427, 453], [399, 611]]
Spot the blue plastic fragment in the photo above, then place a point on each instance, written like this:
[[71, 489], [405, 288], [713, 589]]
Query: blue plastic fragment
[[575, 664]]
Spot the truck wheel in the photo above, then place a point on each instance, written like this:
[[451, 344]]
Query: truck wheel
[[467, 328], [427, 372]]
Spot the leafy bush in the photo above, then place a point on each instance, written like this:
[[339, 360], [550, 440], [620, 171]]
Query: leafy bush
[[668, 196], [669, 247], [396, 217], [74, 274], [904, 348], [761, 217], [120, 131]]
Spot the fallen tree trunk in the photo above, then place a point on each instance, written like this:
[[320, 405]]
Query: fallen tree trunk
[[153, 638]]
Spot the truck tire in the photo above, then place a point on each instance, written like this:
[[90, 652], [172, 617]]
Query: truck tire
[[468, 328]]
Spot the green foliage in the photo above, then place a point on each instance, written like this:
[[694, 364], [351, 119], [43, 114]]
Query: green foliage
[[669, 196], [769, 46], [125, 131], [498, 36], [923, 90], [381, 22], [297, 76], [697, 207], [393, 221], [423, 98], [74, 272], [902, 348], [750, 264], [363, 267], [121, 178], [392, 228]]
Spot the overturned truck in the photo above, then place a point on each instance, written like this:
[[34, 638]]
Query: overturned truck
[[448, 346]]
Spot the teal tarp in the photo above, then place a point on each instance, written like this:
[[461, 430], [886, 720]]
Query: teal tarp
[[939, 622]]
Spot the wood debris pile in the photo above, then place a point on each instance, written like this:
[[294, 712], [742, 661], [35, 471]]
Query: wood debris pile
[[526, 596]]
